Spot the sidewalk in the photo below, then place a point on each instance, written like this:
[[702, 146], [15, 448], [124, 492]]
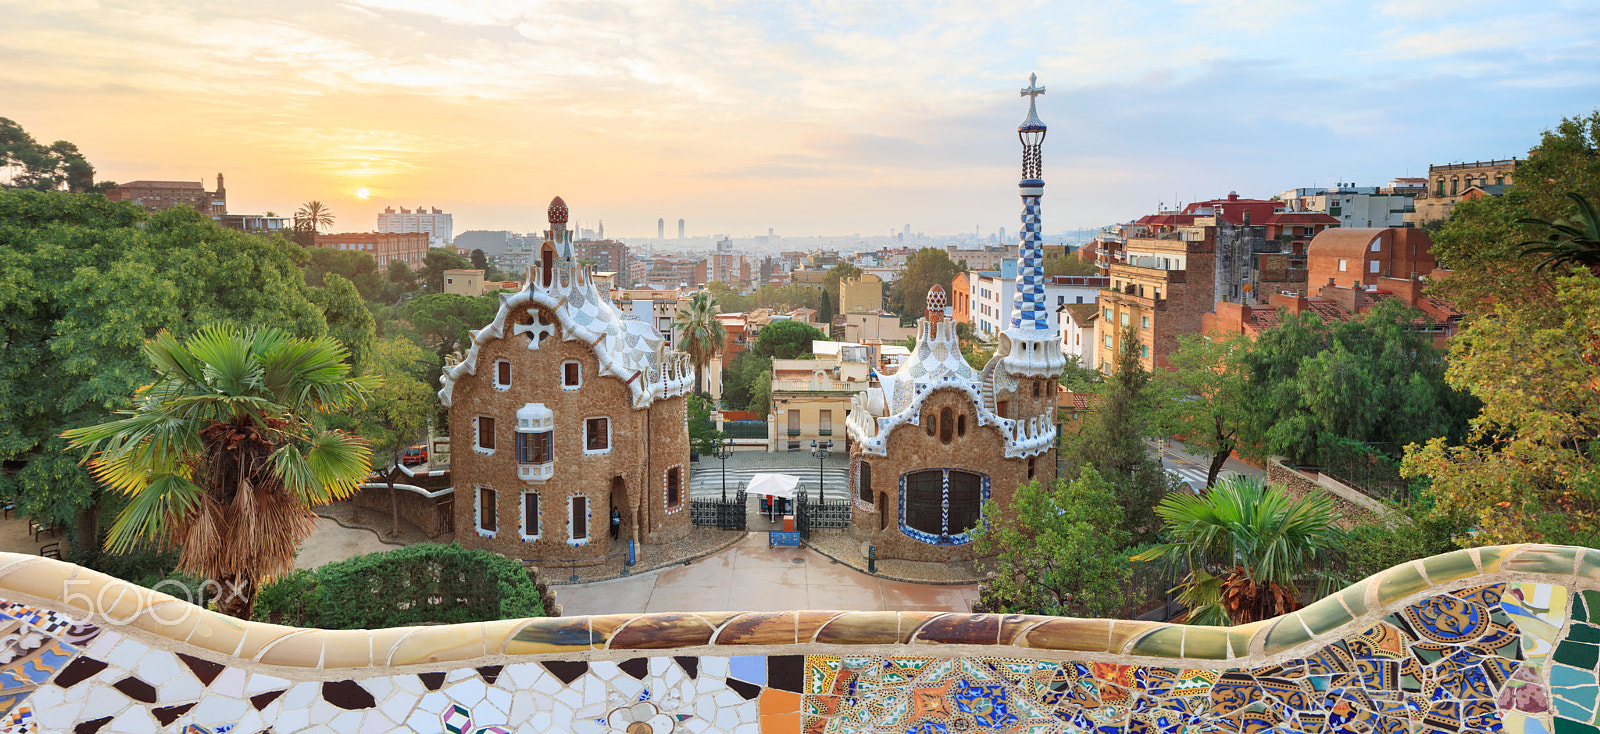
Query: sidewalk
[[1193, 467]]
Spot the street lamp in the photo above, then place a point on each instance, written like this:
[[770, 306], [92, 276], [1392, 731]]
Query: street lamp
[[822, 454], [724, 450]]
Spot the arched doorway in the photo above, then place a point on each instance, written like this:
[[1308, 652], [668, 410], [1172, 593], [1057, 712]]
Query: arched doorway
[[623, 511]]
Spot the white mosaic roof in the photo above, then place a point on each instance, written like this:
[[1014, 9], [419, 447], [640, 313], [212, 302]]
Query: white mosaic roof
[[625, 347]]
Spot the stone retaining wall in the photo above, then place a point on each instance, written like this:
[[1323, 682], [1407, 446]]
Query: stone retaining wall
[[1351, 506], [1497, 640]]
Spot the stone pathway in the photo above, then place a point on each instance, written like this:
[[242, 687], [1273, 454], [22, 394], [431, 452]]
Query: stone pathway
[[749, 576]]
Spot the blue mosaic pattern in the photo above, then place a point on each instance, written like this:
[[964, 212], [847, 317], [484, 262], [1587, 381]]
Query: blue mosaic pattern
[[1029, 309], [1466, 662]]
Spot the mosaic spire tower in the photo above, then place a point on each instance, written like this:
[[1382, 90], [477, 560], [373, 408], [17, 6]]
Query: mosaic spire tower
[[1034, 350]]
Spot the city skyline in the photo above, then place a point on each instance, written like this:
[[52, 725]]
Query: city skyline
[[813, 120]]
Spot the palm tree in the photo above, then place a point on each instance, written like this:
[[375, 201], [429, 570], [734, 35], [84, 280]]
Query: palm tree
[[700, 334], [1575, 242], [221, 458], [313, 216], [1246, 546]]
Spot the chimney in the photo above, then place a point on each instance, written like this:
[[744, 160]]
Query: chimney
[[1295, 303], [1349, 298]]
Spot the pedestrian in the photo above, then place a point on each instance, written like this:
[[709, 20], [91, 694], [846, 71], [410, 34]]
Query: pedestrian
[[616, 522]]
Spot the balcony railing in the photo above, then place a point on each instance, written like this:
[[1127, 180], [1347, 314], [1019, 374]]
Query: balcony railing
[[824, 431], [794, 432]]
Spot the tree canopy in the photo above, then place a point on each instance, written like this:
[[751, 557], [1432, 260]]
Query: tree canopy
[[28, 164], [787, 339], [930, 266]]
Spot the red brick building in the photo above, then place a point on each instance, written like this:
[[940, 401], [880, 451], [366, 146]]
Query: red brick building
[[1340, 303], [410, 248], [157, 195], [1348, 256]]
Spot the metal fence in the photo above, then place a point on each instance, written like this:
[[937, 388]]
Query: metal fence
[[728, 515], [1365, 470], [745, 429], [814, 515]]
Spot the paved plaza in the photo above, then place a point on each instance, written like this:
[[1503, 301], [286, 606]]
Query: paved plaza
[[752, 577]]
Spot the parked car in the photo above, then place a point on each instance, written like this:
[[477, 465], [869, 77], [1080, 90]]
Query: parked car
[[415, 455]]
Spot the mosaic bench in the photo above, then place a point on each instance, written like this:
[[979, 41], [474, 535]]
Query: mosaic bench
[[1500, 640]]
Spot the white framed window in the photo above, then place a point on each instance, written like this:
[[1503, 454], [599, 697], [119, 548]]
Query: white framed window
[[483, 434], [578, 520], [531, 517], [596, 435], [1144, 322], [502, 374], [449, 281], [1341, 266], [484, 513], [1372, 267], [571, 374], [1108, 341]]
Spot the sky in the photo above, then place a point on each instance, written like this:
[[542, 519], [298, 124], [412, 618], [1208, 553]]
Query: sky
[[811, 118]]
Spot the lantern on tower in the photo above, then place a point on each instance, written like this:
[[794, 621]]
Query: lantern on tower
[[1031, 132]]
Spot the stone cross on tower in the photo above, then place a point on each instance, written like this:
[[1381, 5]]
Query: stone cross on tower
[[1033, 89]]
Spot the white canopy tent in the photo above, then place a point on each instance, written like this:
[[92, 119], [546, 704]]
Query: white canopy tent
[[773, 485]]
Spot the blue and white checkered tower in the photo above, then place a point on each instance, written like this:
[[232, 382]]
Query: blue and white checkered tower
[[1034, 348]]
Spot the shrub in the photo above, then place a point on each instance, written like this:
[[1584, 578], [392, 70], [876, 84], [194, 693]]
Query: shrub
[[419, 584]]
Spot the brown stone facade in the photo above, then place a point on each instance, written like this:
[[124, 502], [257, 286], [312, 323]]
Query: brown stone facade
[[910, 448], [632, 473]]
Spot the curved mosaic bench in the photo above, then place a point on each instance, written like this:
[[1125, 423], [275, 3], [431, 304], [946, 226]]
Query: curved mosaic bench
[[1500, 640]]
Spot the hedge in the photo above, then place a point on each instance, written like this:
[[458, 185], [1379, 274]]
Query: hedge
[[417, 584]]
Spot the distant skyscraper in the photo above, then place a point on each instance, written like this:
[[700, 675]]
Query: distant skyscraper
[[908, 230], [602, 229], [436, 224], [661, 229], [680, 229], [769, 233], [1002, 235]]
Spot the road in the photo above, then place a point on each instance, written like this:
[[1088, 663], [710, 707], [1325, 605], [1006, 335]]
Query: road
[[1192, 468]]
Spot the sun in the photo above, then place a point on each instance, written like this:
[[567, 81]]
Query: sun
[[363, 193]]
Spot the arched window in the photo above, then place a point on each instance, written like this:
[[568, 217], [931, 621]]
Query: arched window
[[946, 426], [1036, 388], [1030, 467], [672, 485], [865, 482], [961, 424], [931, 423], [547, 263]]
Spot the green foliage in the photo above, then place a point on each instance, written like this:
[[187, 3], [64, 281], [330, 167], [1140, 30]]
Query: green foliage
[[1411, 532], [433, 266], [787, 339], [1529, 469], [1574, 243], [84, 282], [700, 334], [930, 266], [479, 260], [1371, 379], [1112, 441], [54, 167], [1481, 243], [1202, 397], [780, 299], [442, 320], [1069, 265], [347, 316], [1057, 551], [358, 267], [1249, 541], [704, 437], [741, 376], [417, 584]]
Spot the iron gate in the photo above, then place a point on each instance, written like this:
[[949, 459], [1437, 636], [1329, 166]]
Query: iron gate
[[824, 515], [728, 515]]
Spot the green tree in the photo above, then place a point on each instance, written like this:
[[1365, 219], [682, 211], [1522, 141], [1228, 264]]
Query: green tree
[[700, 334], [84, 282], [442, 320], [1070, 265], [479, 260], [761, 395], [397, 413], [1245, 546], [433, 266], [930, 266], [313, 217], [1529, 470], [25, 163], [825, 311], [400, 274], [704, 437], [1202, 397], [1112, 441], [358, 267], [787, 339], [347, 317], [221, 456], [739, 379], [1481, 243], [1057, 551]]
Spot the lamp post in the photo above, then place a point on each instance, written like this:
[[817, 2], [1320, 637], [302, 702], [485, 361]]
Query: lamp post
[[724, 450], [821, 452]]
